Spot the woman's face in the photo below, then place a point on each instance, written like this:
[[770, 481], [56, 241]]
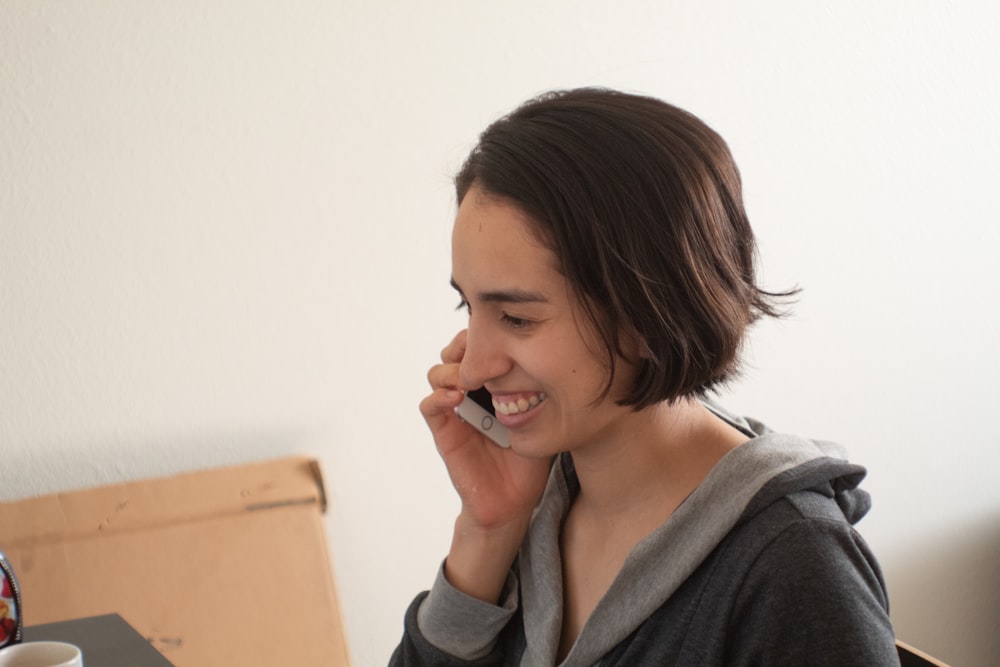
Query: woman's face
[[528, 341]]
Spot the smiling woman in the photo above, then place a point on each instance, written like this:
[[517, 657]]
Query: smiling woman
[[607, 265], [524, 337]]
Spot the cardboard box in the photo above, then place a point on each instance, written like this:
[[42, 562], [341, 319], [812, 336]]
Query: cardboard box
[[221, 567]]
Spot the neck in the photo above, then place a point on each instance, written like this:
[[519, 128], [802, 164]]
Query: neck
[[656, 458]]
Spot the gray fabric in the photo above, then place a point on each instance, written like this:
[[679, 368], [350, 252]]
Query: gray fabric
[[691, 533], [714, 585], [444, 618]]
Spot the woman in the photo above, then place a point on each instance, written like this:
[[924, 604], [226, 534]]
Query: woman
[[603, 253]]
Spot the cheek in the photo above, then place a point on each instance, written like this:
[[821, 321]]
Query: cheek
[[583, 378], [566, 365]]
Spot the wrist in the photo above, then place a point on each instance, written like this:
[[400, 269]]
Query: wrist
[[480, 558]]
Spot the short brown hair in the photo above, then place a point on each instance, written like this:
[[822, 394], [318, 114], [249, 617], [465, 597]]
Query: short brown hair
[[642, 204]]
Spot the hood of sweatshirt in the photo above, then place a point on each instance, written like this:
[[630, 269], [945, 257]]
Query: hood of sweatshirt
[[768, 467]]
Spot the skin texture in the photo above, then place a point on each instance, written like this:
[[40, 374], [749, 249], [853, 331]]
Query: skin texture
[[526, 338]]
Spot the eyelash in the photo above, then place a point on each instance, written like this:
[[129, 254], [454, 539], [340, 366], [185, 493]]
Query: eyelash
[[509, 320], [516, 322]]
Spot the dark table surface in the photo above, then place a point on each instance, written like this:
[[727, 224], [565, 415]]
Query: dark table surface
[[106, 641]]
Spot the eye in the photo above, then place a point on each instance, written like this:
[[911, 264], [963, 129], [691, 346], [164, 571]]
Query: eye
[[516, 322], [464, 305]]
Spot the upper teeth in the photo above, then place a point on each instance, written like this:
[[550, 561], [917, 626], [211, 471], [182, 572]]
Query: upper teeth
[[518, 406]]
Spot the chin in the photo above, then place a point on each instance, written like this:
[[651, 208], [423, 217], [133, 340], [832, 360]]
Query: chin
[[531, 447]]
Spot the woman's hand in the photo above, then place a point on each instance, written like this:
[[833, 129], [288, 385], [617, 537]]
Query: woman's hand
[[498, 488]]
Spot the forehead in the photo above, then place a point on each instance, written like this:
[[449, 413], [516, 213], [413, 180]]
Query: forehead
[[493, 239]]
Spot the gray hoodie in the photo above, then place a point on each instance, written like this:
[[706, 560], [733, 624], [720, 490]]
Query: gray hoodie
[[759, 566]]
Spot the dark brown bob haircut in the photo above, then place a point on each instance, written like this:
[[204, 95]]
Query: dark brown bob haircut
[[641, 203]]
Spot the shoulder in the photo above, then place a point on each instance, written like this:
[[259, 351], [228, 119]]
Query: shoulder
[[802, 536], [805, 536], [810, 578]]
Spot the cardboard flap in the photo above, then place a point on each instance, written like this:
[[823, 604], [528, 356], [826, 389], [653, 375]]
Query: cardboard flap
[[162, 502], [218, 567]]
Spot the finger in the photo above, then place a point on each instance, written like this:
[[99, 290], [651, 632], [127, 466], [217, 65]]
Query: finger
[[438, 407], [441, 400], [455, 350], [443, 376]]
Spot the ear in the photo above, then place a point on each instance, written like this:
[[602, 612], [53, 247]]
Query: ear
[[634, 345]]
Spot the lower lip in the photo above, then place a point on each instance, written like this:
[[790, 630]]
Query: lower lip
[[521, 418]]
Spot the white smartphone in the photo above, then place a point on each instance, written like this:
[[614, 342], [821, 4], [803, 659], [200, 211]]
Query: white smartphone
[[477, 409]]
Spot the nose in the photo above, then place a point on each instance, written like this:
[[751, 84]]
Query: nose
[[485, 358]]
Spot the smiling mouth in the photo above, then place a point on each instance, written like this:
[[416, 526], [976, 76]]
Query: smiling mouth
[[520, 406]]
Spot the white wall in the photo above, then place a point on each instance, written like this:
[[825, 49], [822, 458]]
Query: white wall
[[224, 236]]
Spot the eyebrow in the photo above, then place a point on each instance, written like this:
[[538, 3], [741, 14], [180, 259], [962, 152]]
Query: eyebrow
[[505, 296]]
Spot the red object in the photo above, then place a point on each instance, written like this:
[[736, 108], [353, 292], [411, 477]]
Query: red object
[[10, 605], [7, 628]]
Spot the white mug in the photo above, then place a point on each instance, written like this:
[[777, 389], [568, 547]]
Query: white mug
[[41, 654]]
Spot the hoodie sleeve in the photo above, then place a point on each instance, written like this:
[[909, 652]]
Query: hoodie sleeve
[[814, 596], [446, 627]]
